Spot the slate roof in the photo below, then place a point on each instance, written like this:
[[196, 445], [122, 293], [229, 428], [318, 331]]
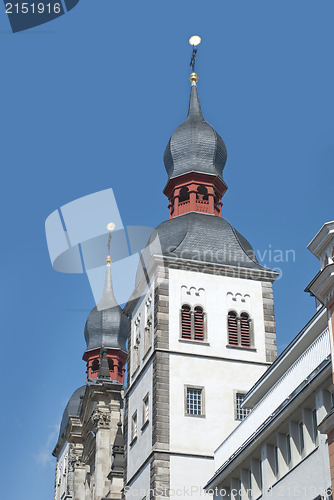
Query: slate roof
[[195, 146], [202, 237], [106, 324], [72, 408]]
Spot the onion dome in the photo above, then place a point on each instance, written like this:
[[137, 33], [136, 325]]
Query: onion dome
[[107, 325], [195, 146]]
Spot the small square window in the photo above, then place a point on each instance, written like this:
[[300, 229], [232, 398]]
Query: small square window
[[194, 401], [240, 413]]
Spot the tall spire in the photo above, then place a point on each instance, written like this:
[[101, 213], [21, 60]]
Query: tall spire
[[108, 298], [194, 111], [194, 159]]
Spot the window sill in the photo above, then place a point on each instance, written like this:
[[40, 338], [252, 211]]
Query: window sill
[[145, 424], [133, 441], [192, 341], [241, 347], [195, 416]]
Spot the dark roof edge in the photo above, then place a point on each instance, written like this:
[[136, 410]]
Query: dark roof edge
[[307, 289]]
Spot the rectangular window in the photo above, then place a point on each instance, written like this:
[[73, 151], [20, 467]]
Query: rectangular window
[[194, 401], [315, 427], [301, 438], [134, 427], [146, 410], [288, 451], [240, 413], [276, 461], [260, 483]]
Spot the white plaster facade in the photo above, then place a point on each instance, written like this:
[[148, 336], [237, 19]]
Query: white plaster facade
[[212, 365]]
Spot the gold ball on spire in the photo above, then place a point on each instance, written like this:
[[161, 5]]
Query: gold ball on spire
[[108, 259], [193, 77]]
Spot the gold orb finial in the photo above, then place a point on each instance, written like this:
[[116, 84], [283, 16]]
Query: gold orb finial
[[193, 77], [108, 259]]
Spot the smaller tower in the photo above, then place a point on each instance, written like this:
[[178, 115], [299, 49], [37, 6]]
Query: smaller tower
[[107, 327], [90, 428]]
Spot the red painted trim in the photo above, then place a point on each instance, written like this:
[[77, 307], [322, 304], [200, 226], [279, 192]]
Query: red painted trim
[[198, 178], [195, 202], [117, 359]]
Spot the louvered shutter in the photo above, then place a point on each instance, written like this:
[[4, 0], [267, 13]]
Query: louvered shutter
[[199, 324], [245, 330], [185, 322], [232, 326]]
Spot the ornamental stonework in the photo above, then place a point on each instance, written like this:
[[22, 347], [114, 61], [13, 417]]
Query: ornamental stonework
[[75, 461], [101, 419]]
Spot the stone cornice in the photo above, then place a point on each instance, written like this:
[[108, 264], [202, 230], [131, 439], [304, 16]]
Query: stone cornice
[[322, 286], [322, 239]]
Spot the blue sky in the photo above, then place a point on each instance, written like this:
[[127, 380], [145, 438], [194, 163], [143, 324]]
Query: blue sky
[[89, 102]]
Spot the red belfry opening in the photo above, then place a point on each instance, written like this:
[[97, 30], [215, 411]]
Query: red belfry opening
[[195, 192], [116, 361]]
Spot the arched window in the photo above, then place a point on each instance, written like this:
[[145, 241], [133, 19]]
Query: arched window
[[111, 364], [120, 369], [95, 365], [198, 324], [185, 322], [202, 193], [184, 194], [245, 330], [232, 328]]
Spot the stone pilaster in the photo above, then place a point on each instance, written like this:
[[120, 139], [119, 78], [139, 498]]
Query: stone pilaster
[[76, 474], [160, 461], [269, 321], [101, 419]]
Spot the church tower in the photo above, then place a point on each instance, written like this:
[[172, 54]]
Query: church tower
[[90, 447], [202, 331]]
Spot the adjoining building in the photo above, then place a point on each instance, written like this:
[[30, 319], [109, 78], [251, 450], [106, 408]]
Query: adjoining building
[[277, 451], [90, 446], [284, 446]]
